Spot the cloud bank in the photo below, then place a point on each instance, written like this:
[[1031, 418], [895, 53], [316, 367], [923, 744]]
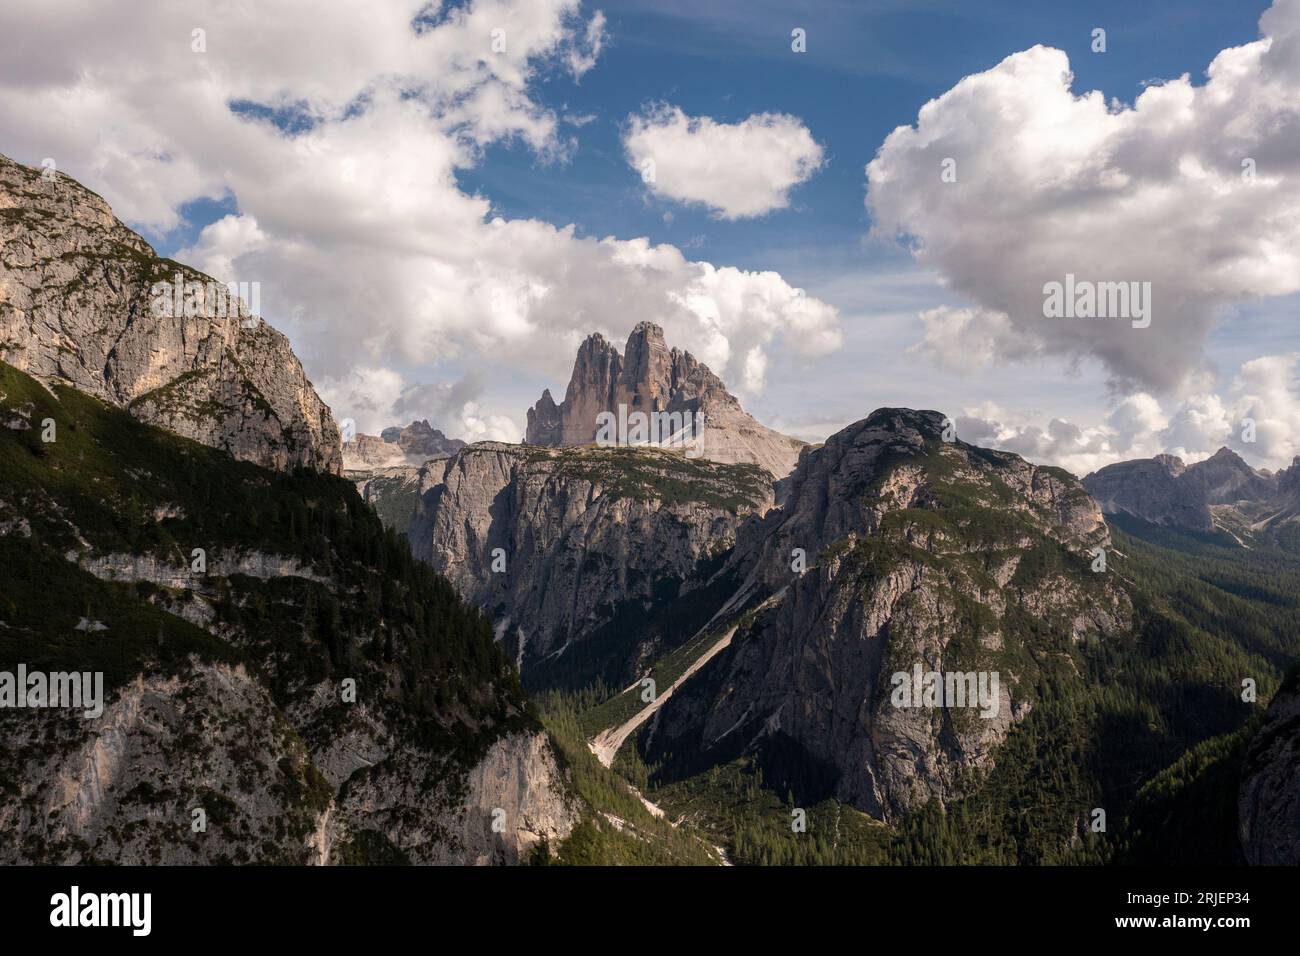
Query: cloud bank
[[1264, 393]]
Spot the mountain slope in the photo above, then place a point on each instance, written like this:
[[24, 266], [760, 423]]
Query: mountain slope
[[1145, 723], [227, 682], [588, 559], [85, 301], [918, 553]]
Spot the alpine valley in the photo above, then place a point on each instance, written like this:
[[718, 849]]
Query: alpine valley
[[334, 648]]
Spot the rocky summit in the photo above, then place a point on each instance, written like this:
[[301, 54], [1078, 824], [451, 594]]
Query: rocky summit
[[1221, 494], [85, 301], [651, 378], [894, 552]]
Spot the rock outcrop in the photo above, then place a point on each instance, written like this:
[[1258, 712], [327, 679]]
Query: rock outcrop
[[896, 551], [650, 378], [86, 301], [554, 543], [1268, 808]]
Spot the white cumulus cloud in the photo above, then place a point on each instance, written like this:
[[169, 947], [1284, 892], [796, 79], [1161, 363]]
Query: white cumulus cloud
[[1193, 188], [1265, 393], [738, 170]]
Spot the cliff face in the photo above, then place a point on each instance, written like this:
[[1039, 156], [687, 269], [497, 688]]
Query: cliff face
[[124, 787], [895, 551], [269, 657], [649, 377], [85, 301], [1268, 809], [554, 543]]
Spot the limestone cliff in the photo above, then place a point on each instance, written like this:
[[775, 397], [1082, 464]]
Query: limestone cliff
[[1268, 809], [86, 301], [556, 543], [649, 377], [896, 550]]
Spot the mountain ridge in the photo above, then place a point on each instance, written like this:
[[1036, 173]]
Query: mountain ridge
[[650, 378], [1221, 494], [86, 301]]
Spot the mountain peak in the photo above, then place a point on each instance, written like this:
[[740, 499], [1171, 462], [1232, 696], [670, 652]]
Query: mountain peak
[[651, 378], [646, 332], [164, 341], [1226, 454], [415, 444], [926, 421]]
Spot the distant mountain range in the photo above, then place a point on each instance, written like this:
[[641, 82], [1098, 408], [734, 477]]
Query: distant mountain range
[[1221, 494]]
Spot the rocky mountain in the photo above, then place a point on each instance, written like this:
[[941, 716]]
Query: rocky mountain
[[1268, 808], [1221, 494], [367, 453], [895, 551], [421, 440], [571, 549], [413, 445], [650, 378], [282, 681], [86, 302], [1152, 489], [1224, 479]]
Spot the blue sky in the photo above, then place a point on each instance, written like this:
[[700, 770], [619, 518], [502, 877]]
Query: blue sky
[[869, 68]]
